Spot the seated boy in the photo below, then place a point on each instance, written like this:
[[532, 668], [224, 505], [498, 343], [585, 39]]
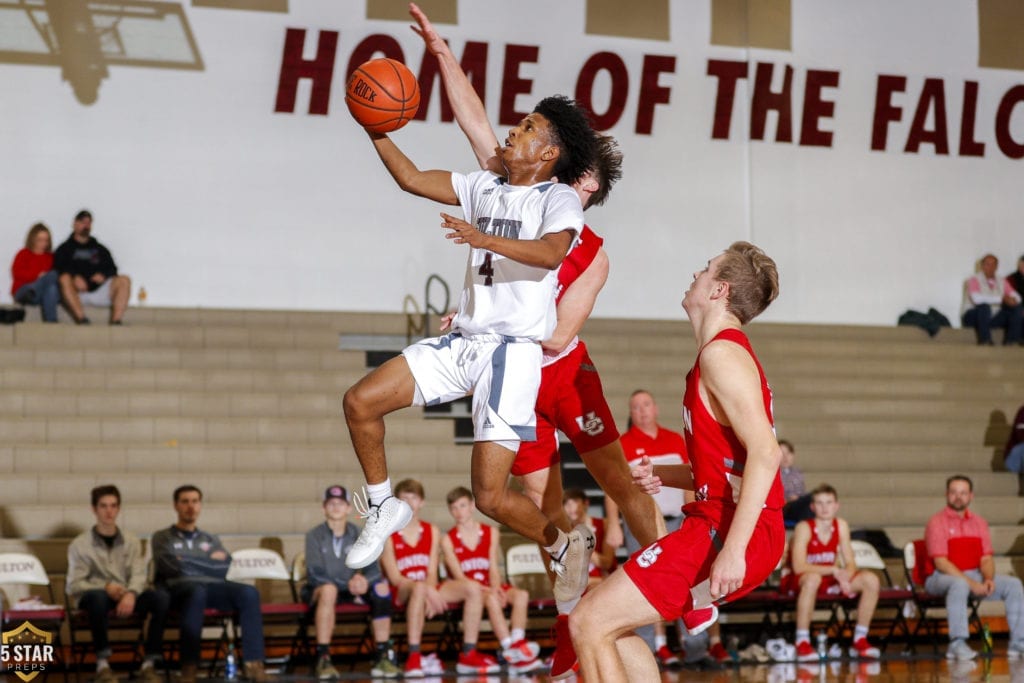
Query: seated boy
[[816, 547], [471, 552]]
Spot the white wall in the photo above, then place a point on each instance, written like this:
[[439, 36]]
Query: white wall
[[207, 197]]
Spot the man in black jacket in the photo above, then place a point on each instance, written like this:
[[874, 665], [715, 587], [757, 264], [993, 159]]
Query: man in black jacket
[[192, 565], [88, 275]]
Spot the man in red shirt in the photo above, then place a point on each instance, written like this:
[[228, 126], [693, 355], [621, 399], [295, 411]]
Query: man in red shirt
[[960, 546]]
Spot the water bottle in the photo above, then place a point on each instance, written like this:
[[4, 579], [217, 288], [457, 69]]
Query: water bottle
[[142, 296], [230, 665], [822, 644], [986, 639]]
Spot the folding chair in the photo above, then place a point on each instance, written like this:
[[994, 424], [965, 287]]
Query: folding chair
[[890, 596], [126, 634], [20, 571], [263, 564], [918, 566], [525, 568], [352, 624]]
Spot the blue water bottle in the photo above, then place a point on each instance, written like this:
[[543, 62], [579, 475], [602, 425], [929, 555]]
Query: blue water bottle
[[230, 665]]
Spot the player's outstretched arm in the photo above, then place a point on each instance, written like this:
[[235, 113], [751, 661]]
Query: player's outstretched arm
[[730, 377], [436, 185], [545, 252], [469, 110], [577, 303]]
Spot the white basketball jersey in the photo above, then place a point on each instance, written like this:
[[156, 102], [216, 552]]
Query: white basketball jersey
[[502, 296]]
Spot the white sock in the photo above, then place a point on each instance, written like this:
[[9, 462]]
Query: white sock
[[860, 632], [518, 634], [505, 643], [660, 641], [378, 493], [102, 663], [556, 548], [803, 636]]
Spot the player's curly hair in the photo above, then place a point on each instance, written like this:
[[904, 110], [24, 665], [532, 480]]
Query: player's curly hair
[[607, 169], [753, 280], [572, 134]]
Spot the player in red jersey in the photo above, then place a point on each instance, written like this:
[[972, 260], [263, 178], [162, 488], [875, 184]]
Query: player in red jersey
[[732, 536], [410, 562], [571, 397], [815, 550], [471, 552]]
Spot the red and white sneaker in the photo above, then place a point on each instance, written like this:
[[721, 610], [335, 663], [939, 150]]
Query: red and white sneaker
[[475, 662], [563, 660], [413, 666], [666, 656], [697, 621], [521, 651], [862, 649], [718, 653], [806, 653]]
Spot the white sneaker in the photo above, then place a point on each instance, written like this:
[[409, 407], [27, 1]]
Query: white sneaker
[[573, 566], [382, 520], [1015, 650], [960, 650]]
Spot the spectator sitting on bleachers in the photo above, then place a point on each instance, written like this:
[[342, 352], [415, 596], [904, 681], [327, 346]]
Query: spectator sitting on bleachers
[[329, 582], [823, 564], [34, 281], [960, 546], [471, 552], [1016, 278], [410, 562], [991, 301], [88, 275], [107, 572], [192, 565]]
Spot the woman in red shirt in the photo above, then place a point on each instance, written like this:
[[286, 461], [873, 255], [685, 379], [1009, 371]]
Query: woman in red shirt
[[35, 280]]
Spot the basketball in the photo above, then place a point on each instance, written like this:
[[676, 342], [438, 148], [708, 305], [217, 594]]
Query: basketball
[[382, 95]]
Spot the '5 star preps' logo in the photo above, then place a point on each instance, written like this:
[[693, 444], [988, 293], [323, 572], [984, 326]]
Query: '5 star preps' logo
[[26, 651]]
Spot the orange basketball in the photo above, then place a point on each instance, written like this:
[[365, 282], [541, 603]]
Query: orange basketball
[[382, 95]]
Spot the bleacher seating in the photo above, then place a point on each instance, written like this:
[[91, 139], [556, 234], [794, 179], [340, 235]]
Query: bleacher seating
[[247, 404]]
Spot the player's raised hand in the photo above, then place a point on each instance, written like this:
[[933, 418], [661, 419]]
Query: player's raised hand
[[425, 30], [644, 477], [461, 231]]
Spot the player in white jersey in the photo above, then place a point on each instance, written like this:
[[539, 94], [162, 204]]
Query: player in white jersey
[[519, 227]]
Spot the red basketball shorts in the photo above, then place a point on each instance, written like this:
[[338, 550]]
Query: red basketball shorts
[[667, 569], [570, 399]]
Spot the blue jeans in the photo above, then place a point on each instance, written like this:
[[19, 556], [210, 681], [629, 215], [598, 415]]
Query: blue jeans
[[44, 292], [192, 597], [982, 320]]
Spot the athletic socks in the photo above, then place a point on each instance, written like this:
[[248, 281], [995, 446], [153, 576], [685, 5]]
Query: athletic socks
[[378, 493]]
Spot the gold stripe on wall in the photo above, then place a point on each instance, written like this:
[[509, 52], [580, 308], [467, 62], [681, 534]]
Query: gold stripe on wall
[[247, 5], [752, 23], [1001, 34], [647, 19], [439, 11]]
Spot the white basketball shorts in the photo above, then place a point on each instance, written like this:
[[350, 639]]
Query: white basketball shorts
[[502, 374]]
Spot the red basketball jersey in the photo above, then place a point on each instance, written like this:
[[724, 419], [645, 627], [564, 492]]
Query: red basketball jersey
[[577, 260], [474, 562], [413, 560], [716, 455], [820, 552]]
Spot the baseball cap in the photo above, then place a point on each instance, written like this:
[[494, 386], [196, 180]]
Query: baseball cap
[[336, 491], [84, 213]]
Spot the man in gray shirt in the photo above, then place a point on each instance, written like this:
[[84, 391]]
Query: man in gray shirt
[[329, 582], [192, 565]]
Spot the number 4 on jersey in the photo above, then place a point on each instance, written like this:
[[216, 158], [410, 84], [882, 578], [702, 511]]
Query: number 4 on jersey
[[487, 270]]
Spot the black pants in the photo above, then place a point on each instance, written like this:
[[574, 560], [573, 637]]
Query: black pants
[[192, 597], [98, 605]]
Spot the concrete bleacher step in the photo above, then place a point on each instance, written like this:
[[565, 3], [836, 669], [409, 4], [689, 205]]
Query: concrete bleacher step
[[917, 484]]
